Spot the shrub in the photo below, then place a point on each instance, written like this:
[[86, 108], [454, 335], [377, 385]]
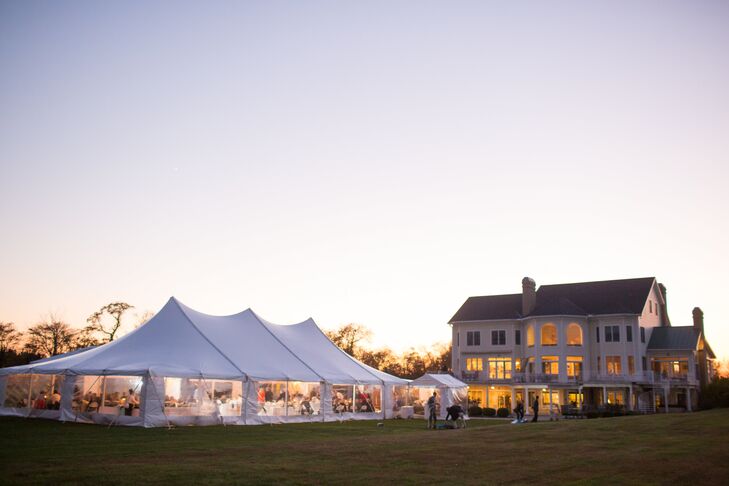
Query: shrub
[[474, 411], [502, 412], [715, 394], [489, 412], [592, 414]]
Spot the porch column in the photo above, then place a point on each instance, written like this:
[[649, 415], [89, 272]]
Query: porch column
[[579, 398], [688, 400], [630, 397], [549, 394], [665, 397], [604, 396], [513, 401]]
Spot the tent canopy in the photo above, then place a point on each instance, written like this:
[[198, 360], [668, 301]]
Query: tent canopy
[[438, 380], [181, 342]]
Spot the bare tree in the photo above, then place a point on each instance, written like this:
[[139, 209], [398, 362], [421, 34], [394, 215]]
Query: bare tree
[[107, 320], [85, 338], [143, 318], [50, 337], [9, 338], [349, 336]]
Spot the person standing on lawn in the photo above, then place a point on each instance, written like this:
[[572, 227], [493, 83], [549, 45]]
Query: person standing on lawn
[[431, 411], [519, 411], [535, 407]]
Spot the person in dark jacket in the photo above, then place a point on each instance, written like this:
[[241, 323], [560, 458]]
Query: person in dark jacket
[[535, 407], [454, 412], [519, 410]]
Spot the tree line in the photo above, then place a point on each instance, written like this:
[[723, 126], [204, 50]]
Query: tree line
[[52, 336], [413, 363]]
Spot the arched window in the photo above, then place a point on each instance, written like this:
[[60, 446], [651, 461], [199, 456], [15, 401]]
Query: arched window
[[574, 334], [549, 335], [530, 336]]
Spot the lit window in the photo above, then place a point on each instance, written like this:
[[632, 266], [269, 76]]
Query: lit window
[[574, 366], [574, 335], [474, 364], [475, 397], [612, 363], [530, 336], [615, 397], [500, 368], [631, 365], [550, 365], [549, 335]]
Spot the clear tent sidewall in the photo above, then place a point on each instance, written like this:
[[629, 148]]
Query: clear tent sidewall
[[153, 413]]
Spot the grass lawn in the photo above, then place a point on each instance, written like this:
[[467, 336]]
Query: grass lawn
[[654, 449]]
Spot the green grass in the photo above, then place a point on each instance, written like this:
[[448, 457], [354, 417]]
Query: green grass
[[656, 449]]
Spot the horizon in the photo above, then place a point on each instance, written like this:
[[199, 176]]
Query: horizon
[[376, 164]]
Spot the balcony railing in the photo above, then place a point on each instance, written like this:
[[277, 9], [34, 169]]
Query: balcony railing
[[535, 378], [482, 376], [661, 377], [469, 376], [644, 377], [650, 377]]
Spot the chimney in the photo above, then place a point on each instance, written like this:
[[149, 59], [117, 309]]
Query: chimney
[[528, 296], [698, 319], [665, 321]]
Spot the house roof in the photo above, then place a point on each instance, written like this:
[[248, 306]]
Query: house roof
[[627, 296], [674, 338], [489, 307]]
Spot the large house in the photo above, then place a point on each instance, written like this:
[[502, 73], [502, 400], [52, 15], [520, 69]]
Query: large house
[[581, 344]]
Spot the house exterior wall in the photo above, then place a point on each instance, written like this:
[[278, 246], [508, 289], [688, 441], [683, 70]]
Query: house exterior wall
[[610, 368]]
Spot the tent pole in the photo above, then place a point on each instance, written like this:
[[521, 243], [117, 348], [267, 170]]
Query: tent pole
[[245, 401], [30, 396]]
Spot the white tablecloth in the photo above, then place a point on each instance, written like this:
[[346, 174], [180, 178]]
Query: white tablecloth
[[407, 411]]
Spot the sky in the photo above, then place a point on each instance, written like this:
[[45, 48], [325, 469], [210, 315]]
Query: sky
[[370, 162]]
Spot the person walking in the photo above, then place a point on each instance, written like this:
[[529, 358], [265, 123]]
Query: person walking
[[431, 411], [519, 411], [535, 407]]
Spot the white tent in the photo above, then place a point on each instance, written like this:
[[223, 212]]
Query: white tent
[[186, 367], [451, 391]]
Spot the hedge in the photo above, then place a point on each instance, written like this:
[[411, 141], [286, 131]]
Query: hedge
[[475, 411]]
